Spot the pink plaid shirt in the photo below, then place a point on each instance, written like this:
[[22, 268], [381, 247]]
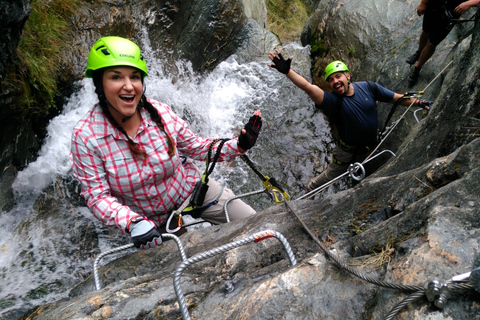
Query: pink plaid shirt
[[119, 186]]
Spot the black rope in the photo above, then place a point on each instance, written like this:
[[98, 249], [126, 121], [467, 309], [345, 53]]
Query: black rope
[[252, 166], [208, 170], [390, 114]]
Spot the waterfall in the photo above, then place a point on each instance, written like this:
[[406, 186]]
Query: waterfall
[[40, 262]]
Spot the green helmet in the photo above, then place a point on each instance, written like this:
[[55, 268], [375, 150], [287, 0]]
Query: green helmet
[[335, 66], [114, 51]]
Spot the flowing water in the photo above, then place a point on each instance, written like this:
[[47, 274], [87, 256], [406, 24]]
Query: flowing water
[[42, 242]]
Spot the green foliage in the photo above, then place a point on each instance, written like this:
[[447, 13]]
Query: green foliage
[[286, 18], [40, 51], [318, 48]]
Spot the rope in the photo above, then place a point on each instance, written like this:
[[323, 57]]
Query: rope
[[418, 291], [414, 296], [216, 157], [347, 267]]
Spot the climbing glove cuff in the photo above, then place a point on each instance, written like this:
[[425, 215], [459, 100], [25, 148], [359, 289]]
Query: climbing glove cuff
[[144, 234], [248, 139], [425, 103], [281, 64]]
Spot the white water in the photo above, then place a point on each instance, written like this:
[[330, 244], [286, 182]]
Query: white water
[[36, 251]]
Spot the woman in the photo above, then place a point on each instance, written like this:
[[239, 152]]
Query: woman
[[129, 152]]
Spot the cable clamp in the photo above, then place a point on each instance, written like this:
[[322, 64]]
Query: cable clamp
[[437, 292]]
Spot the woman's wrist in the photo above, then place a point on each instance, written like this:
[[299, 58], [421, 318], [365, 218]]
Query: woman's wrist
[[133, 220]]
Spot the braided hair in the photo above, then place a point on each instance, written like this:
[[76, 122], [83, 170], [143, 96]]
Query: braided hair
[[98, 82]]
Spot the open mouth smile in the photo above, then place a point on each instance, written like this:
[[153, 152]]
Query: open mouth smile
[[127, 98]]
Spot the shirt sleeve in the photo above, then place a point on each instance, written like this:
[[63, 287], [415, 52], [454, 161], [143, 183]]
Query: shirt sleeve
[[384, 94], [88, 168]]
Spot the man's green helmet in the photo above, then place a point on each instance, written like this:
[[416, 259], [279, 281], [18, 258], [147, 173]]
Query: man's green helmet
[[335, 66], [114, 51]]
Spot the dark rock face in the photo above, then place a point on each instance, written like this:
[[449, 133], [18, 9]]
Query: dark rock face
[[14, 14], [203, 32]]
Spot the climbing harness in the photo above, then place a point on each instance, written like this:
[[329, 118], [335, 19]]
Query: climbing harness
[[128, 246], [272, 187], [193, 204], [257, 237], [436, 291]]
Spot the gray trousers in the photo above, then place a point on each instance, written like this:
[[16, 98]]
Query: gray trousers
[[334, 169], [237, 209]]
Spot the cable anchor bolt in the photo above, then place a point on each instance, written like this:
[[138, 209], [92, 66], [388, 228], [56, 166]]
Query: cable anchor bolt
[[437, 292], [356, 171]]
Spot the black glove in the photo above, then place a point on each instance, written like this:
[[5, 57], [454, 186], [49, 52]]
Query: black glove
[[281, 64], [247, 140], [144, 234], [425, 103]]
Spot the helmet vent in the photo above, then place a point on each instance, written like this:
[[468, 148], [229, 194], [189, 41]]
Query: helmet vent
[[104, 50]]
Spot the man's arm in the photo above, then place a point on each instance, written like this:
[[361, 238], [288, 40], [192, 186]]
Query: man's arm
[[313, 91], [283, 66], [464, 6], [409, 101]]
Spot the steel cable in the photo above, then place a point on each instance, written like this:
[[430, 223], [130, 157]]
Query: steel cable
[[419, 291]]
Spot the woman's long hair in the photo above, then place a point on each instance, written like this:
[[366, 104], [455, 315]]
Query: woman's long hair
[[98, 82]]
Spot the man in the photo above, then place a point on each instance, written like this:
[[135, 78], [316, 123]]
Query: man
[[352, 108], [437, 24]]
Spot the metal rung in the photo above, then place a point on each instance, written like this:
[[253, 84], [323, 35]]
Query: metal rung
[[128, 246], [238, 197], [210, 253]]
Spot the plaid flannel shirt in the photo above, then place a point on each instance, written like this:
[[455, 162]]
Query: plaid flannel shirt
[[119, 186]]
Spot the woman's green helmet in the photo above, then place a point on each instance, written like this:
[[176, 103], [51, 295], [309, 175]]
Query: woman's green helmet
[[114, 51], [335, 66]]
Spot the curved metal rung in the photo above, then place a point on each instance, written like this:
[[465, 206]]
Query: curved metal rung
[[128, 246], [324, 186], [238, 197], [415, 114], [210, 253]]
